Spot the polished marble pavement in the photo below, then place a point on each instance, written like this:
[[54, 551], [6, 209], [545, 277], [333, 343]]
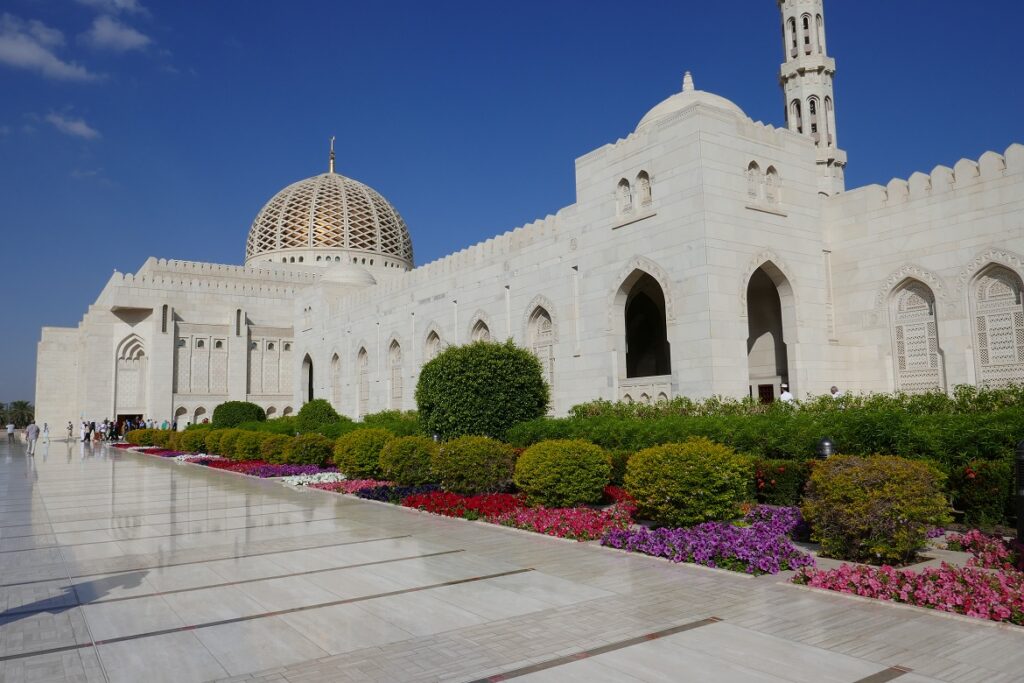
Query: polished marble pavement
[[124, 567]]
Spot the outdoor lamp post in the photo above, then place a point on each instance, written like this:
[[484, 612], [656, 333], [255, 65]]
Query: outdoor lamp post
[[825, 448]]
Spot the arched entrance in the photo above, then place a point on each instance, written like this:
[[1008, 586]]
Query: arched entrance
[[130, 387], [307, 377], [647, 348], [767, 353]]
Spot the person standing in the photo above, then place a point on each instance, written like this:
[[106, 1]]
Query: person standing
[[32, 435], [71, 430], [46, 433], [83, 432], [10, 432], [835, 392], [786, 396]]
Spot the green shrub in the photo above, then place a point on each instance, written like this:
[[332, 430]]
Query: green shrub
[[483, 389], [247, 445], [234, 413], [226, 444], [160, 437], [874, 509], [336, 429], [357, 454], [474, 464], [315, 414], [279, 425], [683, 484], [406, 460], [140, 437], [307, 449], [397, 422], [194, 440], [272, 447], [563, 473], [174, 441], [212, 440], [983, 490], [619, 460], [779, 482]]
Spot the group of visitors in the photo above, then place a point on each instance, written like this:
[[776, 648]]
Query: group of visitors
[[787, 396]]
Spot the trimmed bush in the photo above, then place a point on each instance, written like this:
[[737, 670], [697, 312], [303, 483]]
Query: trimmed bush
[[247, 445], [160, 437], [336, 429], [405, 460], [563, 473], [474, 464], [779, 482], [307, 449], [234, 413], [194, 440], [174, 441], [683, 484], [357, 454], [213, 440], [875, 509], [619, 460], [272, 447], [140, 437], [315, 414], [395, 421], [226, 444], [983, 490], [481, 389]]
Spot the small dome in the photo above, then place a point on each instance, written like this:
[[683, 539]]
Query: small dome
[[348, 274], [333, 214], [685, 99]]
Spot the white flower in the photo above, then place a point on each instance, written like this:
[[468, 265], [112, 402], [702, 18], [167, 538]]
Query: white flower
[[318, 478]]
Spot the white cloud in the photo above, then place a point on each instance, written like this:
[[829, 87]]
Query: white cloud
[[73, 127], [29, 45], [113, 6], [108, 33]]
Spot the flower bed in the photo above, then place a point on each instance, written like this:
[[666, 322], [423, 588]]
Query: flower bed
[[389, 493], [971, 591], [350, 485], [761, 547], [316, 478], [580, 524], [197, 457], [989, 552], [258, 468], [468, 507]]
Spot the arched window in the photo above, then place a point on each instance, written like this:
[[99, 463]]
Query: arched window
[[646, 343], [271, 412], [218, 344], [771, 186], [754, 180], [625, 197], [363, 371], [287, 411], [791, 26], [307, 377], [830, 123], [163, 319], [542, 341], [432, 347], [199, 415], [998, 327], [395, 375], [806, 21], [917, 358], [812, 113], [200, 343], [480, 332], [270, 346], [820, 23], [643, 188], [796, 116]]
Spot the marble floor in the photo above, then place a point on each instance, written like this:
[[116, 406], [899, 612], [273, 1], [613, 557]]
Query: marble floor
[[123, 567]]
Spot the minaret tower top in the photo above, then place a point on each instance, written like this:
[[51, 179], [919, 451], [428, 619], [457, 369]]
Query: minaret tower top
[[806, 77]]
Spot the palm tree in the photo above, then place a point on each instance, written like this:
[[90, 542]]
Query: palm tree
[[20, 413]]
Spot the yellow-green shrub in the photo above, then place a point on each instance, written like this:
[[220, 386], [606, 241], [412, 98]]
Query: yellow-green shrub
[[307, 449], [474, 464], [406, 460], [563, 473], [247, 445], [357, 454], [272, 447]]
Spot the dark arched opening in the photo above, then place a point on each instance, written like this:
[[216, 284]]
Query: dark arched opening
[[767, 358], [647, 348], [307, 376]]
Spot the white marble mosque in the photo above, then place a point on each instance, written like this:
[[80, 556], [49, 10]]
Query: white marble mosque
[[705, 253]]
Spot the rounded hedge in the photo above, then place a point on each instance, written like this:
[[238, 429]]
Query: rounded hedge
[[212, 441], [272, 447], [140, 437], [357, 454], [316, 414], [474, 464], [307, 449], [226, 444], [480, 389], [247, 446], [234, 413], [174, 441], [682, 484], [875, 509], [194, 440], [161, 437], [563, 473], [406, 460]]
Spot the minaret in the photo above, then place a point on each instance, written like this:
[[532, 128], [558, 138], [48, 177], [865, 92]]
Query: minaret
[[806, 79]]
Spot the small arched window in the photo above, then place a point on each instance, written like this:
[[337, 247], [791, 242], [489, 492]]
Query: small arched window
[[270, 346], [643, 188], [625, 197], [287, 347], [218, 345], [200, 343], [753, 181], [481, 332], [771, 186], [253, 346], [181, 343]]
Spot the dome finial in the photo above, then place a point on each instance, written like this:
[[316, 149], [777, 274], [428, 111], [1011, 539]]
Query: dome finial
[[330, 166], [687, 82]]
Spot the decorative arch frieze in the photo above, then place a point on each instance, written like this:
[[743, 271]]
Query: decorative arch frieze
[[993, 255], [548, 305], [641, 263], [480, 316], [911, 271], [762, 258]]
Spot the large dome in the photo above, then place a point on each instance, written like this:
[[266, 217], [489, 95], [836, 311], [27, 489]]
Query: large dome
[[328, 219]]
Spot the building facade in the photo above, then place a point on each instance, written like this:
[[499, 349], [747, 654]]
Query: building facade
[[706, 253]]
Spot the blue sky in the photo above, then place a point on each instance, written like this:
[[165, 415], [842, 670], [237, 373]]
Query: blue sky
[[131, 128]]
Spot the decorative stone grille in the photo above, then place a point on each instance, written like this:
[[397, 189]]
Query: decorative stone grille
[[999, 328], [919, 366]]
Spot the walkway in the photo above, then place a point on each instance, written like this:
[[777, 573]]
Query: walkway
[[121, 567]]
